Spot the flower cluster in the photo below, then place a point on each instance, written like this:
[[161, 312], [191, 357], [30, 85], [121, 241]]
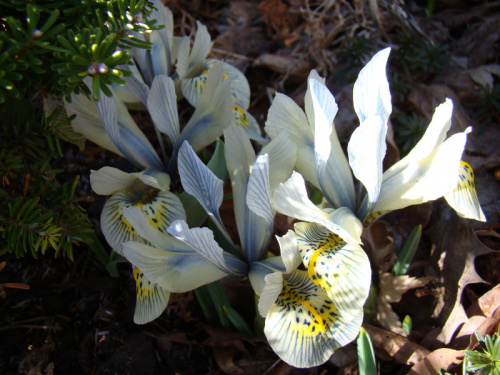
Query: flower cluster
[[311, 294]]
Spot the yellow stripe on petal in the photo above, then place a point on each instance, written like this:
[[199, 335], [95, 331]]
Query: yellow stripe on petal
[[151, 299], [240, 118], [193, 87], [342, 270], [160, 207], [463, 199], [303, 326], [371, 217]]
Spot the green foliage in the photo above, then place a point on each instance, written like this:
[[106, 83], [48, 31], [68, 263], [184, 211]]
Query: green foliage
[[36, 211], [408, 252], [407, 324], [418, 61], [408, 130], [366, 356], [52, 45], [485, 360], [358, 50]]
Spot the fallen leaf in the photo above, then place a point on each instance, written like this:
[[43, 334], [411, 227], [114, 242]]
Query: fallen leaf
[[483, 75], [462, 339], [479, 44], [379, 243], [489, 327], [395, 347], [443, 358], [490, 301], [291, 66], [456, 247], [391, 289]]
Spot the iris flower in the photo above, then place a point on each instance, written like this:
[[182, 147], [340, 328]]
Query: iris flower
[[108, 123], [188, 67], [148, 192], [179, 258], [431, 170]]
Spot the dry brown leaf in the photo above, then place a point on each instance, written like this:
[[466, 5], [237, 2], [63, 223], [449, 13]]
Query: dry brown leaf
[[220, 337], [391, 289], [490, 301], [291, 66], [479, 44], [457, 246], [488, 327], [443, 358], [462, 340], [378, 240], [484, 75], [395, 347], [225, 359]]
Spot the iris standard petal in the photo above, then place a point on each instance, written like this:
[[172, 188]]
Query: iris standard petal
[[332, 169], [109, 180], [319, 97], [342, 270], [154, 178], [162, 105], [463, 199], [178, 272], [213, 112], [282, 157], [285, 116], [258, 197], [260, 219], [273, 285], [126, 135], [165, 18], [201, 46], [253, 231], [371, 94], [136, 85], [366, 151], [201, 183], [182, 65], [151, 299], [260, 269], [291, 199], [289, 251], [303, 326]]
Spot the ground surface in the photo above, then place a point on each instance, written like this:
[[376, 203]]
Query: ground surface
[[76, 319]]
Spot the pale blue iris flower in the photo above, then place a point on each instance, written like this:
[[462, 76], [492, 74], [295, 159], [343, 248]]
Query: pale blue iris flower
[[188, 67], [108, 123], [148, 192], [431, 170], [182, 258]]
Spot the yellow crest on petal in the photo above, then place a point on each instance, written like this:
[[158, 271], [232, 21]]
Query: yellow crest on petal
[[303, 326], [463, 198], [342, 270]]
